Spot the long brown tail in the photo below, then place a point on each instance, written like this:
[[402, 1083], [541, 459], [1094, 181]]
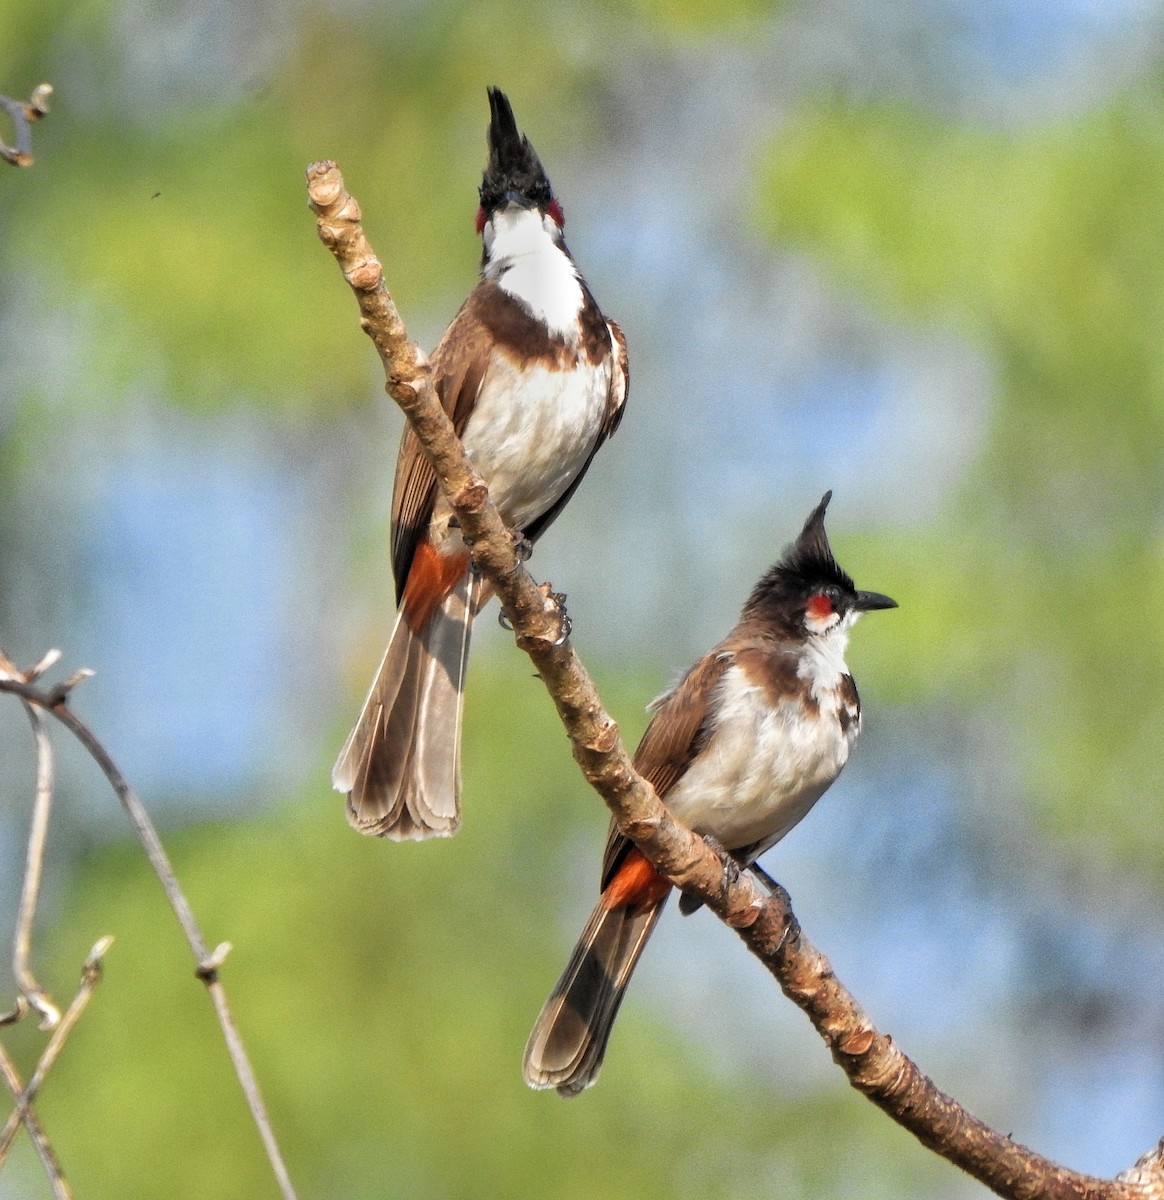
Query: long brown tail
[[401, 764], [569, 1039]]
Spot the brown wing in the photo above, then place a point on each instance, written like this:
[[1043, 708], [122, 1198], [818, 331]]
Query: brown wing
[[619, 381], [458, 366], [676, 734], [615, 405]]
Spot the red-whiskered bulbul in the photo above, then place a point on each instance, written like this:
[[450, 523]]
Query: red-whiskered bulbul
[[534, 378], [740, 749]]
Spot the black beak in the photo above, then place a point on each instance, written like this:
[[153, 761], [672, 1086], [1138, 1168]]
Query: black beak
[[868, 601]]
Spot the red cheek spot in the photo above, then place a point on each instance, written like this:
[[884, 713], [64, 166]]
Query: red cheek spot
[[555, 211], [480, 220], [820, 607]]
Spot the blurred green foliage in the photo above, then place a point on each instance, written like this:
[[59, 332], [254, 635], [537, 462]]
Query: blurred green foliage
[[1036, 593]]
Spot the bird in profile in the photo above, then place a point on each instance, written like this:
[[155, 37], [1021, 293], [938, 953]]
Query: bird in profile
[[534, 379], [739, 750]]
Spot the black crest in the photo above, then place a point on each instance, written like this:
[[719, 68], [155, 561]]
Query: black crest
[[806, 566], [513, 164]]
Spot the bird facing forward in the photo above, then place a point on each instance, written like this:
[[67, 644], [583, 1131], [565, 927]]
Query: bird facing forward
[[739, 750], [534, 379]]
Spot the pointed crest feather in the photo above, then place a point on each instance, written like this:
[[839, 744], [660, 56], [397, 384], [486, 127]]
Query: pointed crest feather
[[513, 164], [805, 565]]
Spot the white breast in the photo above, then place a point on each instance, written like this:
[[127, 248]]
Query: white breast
[[532, 430], [533, 427], [763, 768]]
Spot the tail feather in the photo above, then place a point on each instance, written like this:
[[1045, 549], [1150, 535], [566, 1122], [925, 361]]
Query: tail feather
[[569, 1039], [401, 764]]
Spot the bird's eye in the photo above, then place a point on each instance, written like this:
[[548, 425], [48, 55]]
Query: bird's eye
[[555, 211], [480, 219]]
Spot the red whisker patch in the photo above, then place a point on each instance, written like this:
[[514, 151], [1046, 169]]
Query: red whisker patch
[[820, 607]]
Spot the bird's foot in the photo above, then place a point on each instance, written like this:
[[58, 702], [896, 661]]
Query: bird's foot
[[765, 879], [689, 904], [565, 625]]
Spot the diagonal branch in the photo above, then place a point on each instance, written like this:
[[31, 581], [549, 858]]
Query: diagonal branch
[[90, 978], [54, 702], [48, 1158], [764, 921]]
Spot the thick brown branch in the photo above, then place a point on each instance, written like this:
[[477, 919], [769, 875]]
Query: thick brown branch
[[765, 922], [23, 114]]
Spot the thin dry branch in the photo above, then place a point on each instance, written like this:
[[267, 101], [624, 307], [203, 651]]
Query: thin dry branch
[[44, 1150], [24, 113], [26, 981], [36, 996], [55, 703], [764, 921], [90, 978]]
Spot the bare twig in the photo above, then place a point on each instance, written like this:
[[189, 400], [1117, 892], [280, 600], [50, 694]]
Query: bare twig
[[37, 997], [16, 1013], [30, 989], [24, 113], [764, 921], [48, 1158], [90, 978], [55, 702]]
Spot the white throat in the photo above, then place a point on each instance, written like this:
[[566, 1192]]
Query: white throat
[[526, 259], [823, 661]]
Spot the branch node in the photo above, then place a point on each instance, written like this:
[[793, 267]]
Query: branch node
[[745, 918], [91, 971], [472, 498], [638, 828], [59, 695], [207, 969], [396, 385], [366, 276], [38, 102], [49, 659], [533, 644], [857, 1043], [349, 210], [325, 185], [606, 739], [17, 1012]]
